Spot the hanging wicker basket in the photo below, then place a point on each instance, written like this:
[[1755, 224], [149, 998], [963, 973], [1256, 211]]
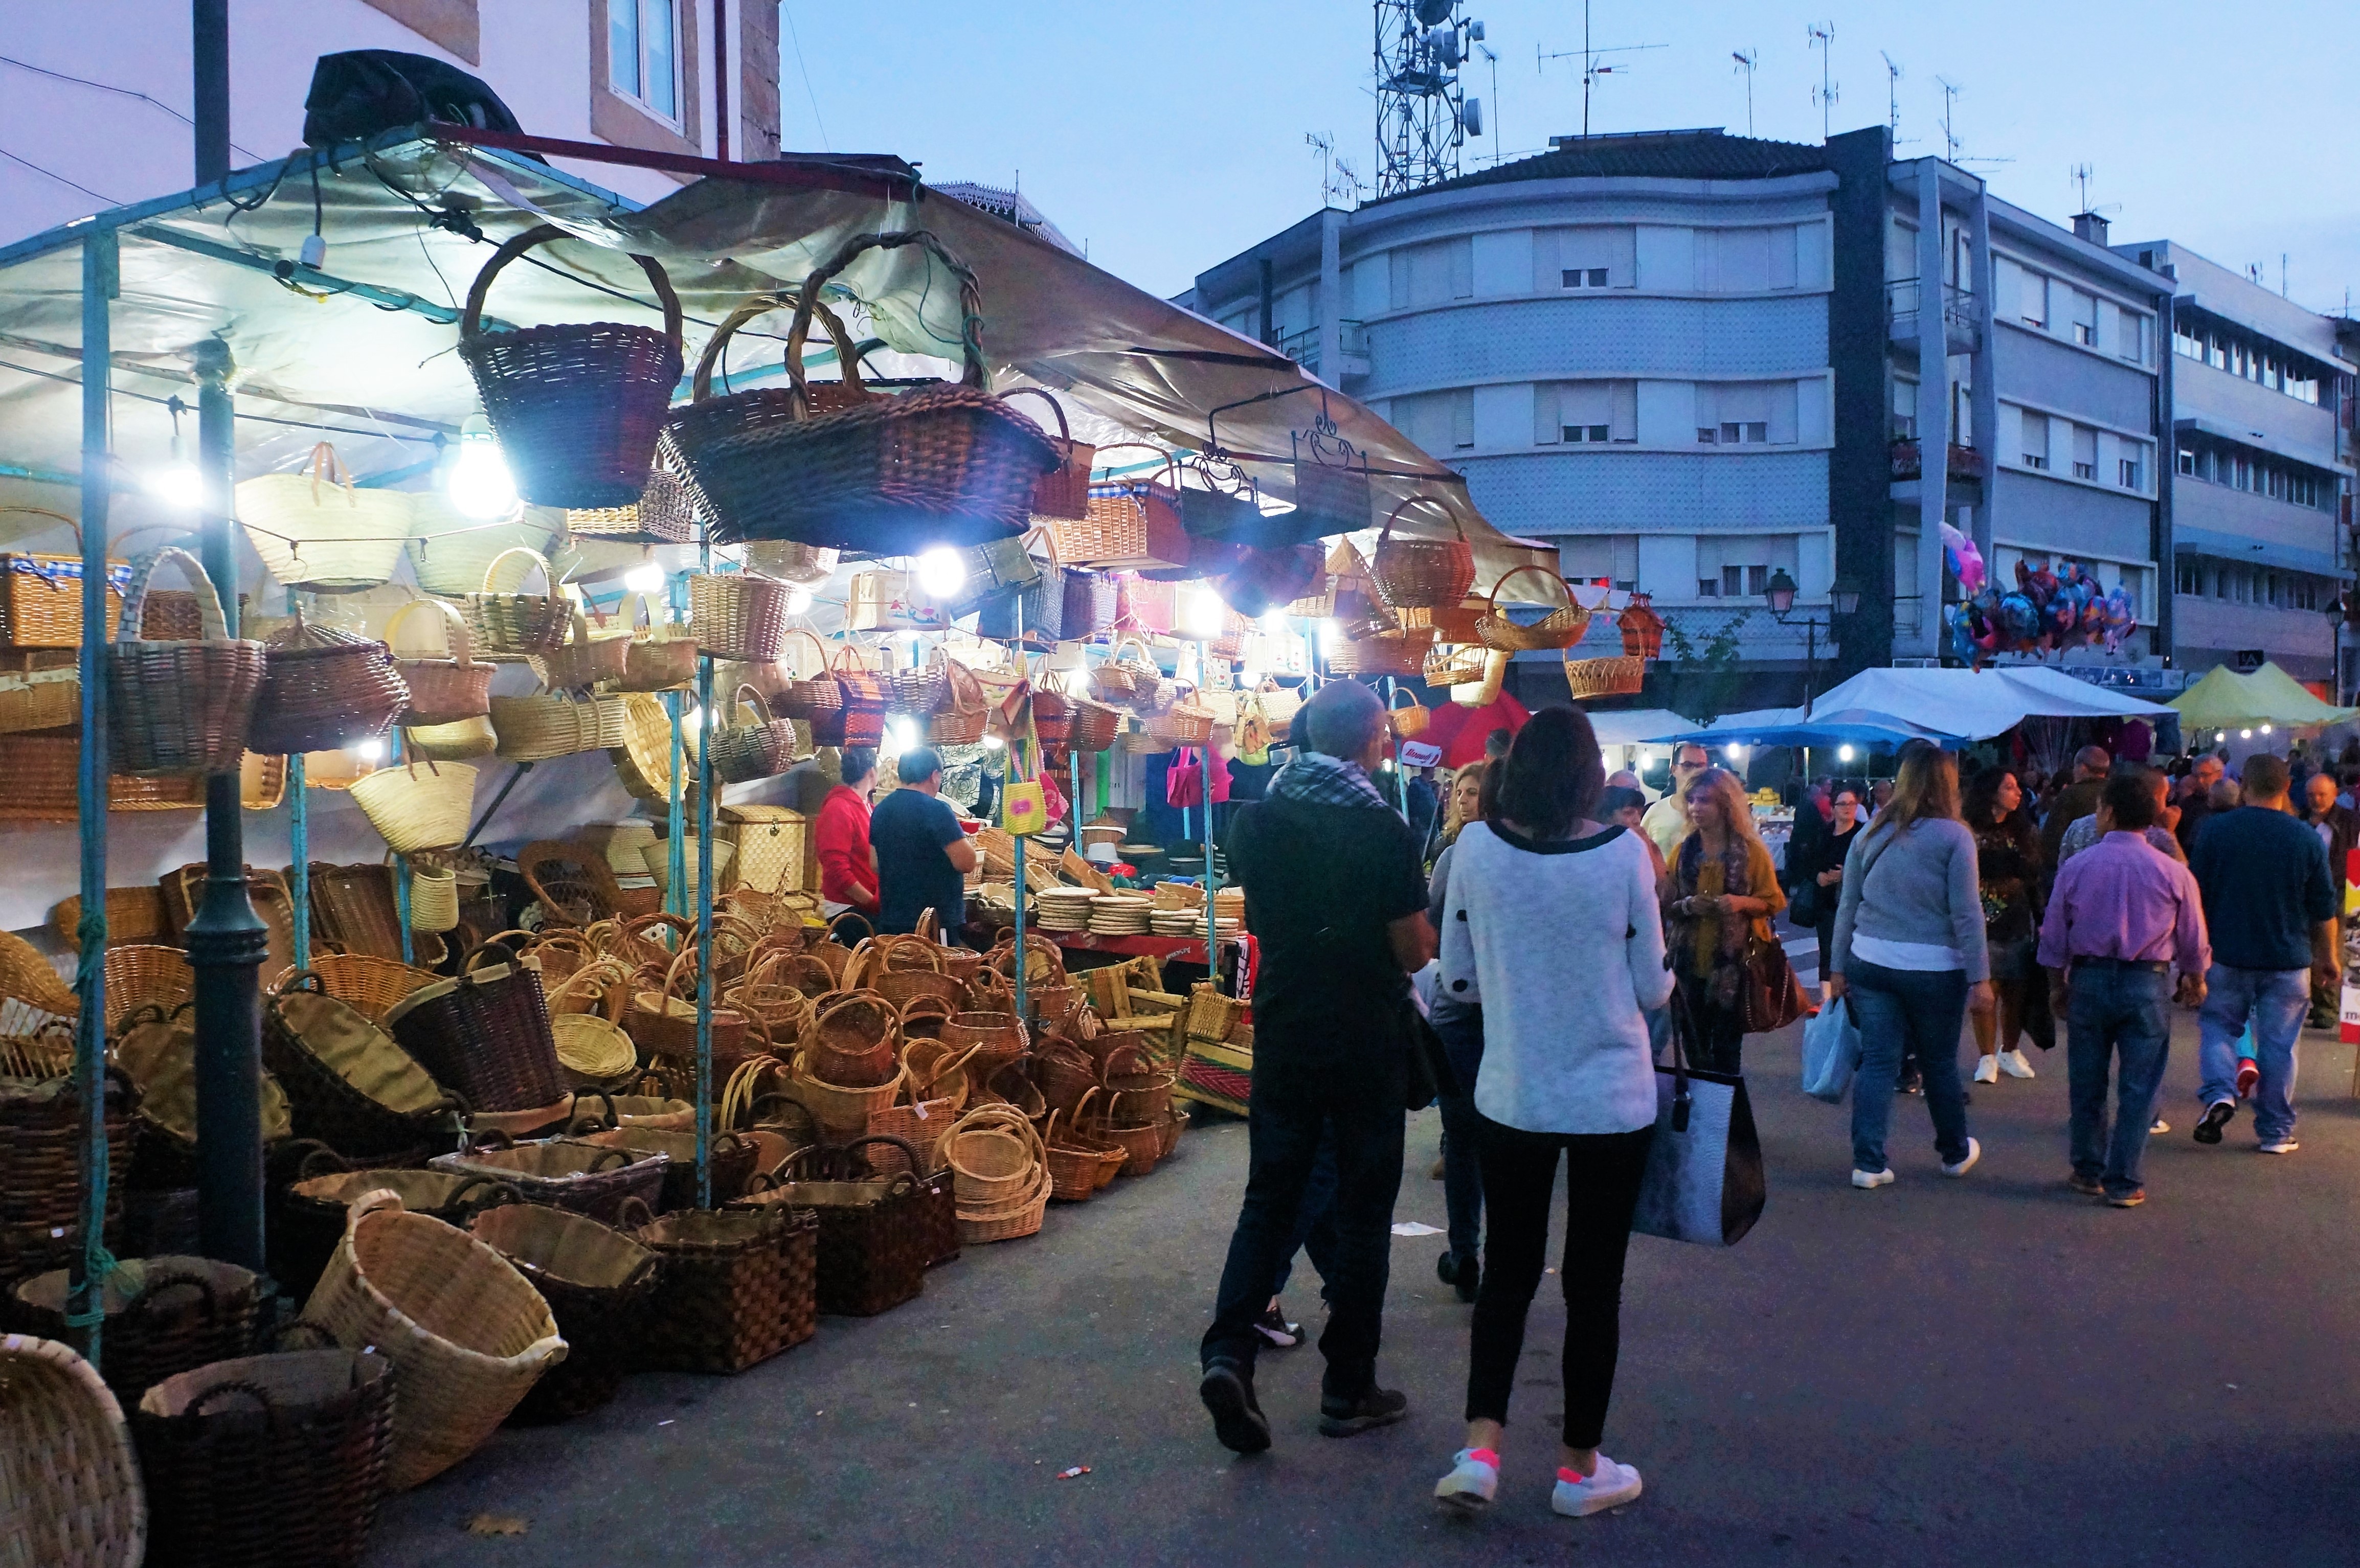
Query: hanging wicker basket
[[1064, 491], [318, 530], [1591, 678], [543, 727], [738, 614], [1398, 654], [1561, 627], [1422, 574], [584, 660], [513, 624], [576, 405], [1641, 628], [180, 707], [662, 515], [450, 551], [745, 752], [323, 689]]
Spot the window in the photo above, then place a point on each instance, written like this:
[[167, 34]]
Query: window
[[2189, 577], [1904, 410], [2184, 341], [2126, 473], [1585, 277], [1706, 435], [1586, 432], [643, 54], [2035, 441], [2085, 318], [2133, 345], [1732, 582], [2188, 461], [1708, 587], [1757, 580], [2032, 299], [2085, 452]]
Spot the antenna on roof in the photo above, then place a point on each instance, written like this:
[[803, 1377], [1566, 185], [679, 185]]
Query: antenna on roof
[[2081, 173], [1892, 96], [1950, 102], [1746, 61], [1823, 38], [1590, 69]]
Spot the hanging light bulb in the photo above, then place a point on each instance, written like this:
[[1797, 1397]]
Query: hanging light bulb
[[900, 735], [1207, 613], [940, 572], [2244, 734], [1329, 636], [369, 750], [2266, 729], [798, 599], [2219, 737], [1248, 678], [177, 483], [479, 484], [646, 577], [1734, 752], [1843, 754]]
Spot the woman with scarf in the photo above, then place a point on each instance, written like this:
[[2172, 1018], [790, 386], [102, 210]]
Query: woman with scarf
[[1724, 889]]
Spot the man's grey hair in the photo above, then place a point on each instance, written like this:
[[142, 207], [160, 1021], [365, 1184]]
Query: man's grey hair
[[1342, 718], [2093, 759]]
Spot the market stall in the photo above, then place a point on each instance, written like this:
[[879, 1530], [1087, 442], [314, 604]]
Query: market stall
[[442, 814], [2225, 702]]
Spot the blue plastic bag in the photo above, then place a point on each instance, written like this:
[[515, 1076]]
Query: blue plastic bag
[[1831, 1052]]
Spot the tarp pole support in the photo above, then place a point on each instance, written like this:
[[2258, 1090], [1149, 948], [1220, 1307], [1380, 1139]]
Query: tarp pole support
[[1007, 774], [704, 924]]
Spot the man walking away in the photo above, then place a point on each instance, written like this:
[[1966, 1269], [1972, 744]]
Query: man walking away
[[2269, 903], [2121, 914], [2338, 827], [1336, 891], [2074, 802]]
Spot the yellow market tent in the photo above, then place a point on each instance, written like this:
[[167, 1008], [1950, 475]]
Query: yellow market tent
[[2226, 700]]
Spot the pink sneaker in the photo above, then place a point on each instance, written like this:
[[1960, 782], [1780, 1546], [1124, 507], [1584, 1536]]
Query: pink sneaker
[[2249, 1077]]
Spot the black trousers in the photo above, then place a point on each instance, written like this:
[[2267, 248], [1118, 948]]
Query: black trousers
[[1602, 1174], [1719, 1045], [1288, 1115]]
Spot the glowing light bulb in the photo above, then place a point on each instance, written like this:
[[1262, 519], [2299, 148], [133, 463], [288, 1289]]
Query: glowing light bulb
[[369, 750], [1329, 634], [2219, 735], [1646, 759], [645, 578], [940, 572], [902, 734], [2266, 729], [178, 485], [480, 484], [2244, 734], [798, 599], [1207, 613], [1843, 754], [1273, 620], [1249, 679], [1733, 751]]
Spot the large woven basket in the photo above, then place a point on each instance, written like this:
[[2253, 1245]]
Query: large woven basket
[[271, 1461], [597, 1283], [1620, 676], [467, 1334], [1422, 574], [460, 741], [67, 1471], [662, 515], [511, 624], [949, 465], [585, 659], [348, 1085], [738, 614], [1561, 627], [544, 726], [743, 752], [717, 1301], [41, 595], [579, 1177], [368, 986], [316, 529], [180, 707], [163, 1315], [416, 807], [450, 551], [873, 1246], [1399, 653], [323, 689], [486, 1035], [309, 1213], [576, 405]]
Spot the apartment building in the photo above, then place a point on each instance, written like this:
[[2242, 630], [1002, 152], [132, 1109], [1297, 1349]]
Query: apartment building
[[2261, 470], [698, 78]]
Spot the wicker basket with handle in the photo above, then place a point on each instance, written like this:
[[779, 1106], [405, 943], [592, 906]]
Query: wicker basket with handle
[[577, 405], [659, 657], [348, 1085], [743, 752], [74, 1489], [323, 689], [180, 707], [738, 614], [164, 1315], [716, 1307], [583, 659], [511, 625], [1561, 627], [450, 551], [598, 1283], [1396, 654], [1422, 574], [580, 1178], [415, 807], [1127, 522], [41, 595], [546, 726], [1591, 678], [662, 515], [316, 529], [1064, 491], [485, 1034]]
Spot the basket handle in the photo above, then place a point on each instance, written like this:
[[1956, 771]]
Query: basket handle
[[1518, 572], [254, 1392], [307, 1170], [548, 575], [471, 324], [1064, 431], [1400, 691], [378, 1200], [1387, 531], [145, 1302], [623, 1212], [847, 354], [211, 621], [457, 638], [613, 1120], [621, 1156], [762, 705], [970, 304], [807, 632], [497, 1194]]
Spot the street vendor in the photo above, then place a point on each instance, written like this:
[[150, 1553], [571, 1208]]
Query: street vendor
[[848, 867], [921, 853]]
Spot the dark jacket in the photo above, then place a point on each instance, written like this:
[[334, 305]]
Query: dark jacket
[[2076, 801], [2343, 832]]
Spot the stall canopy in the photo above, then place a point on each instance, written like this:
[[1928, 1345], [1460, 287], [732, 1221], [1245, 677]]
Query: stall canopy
[[362, 342], [1635, 727], [2226, 700], [1826, 726], [1950, 706]]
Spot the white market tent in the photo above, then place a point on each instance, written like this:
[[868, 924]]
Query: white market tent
[[1952, 707]]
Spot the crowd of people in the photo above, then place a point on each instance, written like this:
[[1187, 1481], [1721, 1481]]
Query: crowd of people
[[1562, 931]]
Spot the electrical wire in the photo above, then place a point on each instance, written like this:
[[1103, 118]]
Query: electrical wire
[[53, 174], [121, 92], [256, 418], [786, 10]]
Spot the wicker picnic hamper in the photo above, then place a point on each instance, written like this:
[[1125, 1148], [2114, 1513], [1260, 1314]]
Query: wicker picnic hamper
[[1590, 678], [41, 595], [308, 1219], [577, 405], [273, 1461], [716, 1306], [40, 699], [744, 752], [874, 1245], [738, 614], [581, 1177], [1420, 575], [315, 529], [485, 1034], [945, 465], [418, 806], [509, 623], [597, 1283], [323, 689], [467, 1334], [180, 707], [163, 1315], [662, 515], [1561, 627], [1129, 523], [67, 1469]]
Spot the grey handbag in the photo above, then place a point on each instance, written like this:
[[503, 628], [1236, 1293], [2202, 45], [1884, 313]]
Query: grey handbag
[[1704, 1181]]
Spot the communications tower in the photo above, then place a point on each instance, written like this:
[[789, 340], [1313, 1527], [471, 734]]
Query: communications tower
[[1423, 117]]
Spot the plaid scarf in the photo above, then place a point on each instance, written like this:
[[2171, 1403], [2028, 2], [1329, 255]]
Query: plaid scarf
[[1316, 779]]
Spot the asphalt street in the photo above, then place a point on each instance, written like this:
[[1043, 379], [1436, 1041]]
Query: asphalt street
[[1975, 1372]]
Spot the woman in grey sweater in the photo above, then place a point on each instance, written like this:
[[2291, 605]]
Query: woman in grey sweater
[[1910, 958]]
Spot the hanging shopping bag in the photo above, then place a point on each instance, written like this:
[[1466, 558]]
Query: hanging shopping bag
[[1831, 1051], [1023, 805], [1183, 781], [1704, 1181]]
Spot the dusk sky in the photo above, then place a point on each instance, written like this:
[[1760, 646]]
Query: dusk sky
[[1171, 136]]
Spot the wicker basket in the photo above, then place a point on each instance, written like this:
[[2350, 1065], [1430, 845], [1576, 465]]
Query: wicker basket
[[308, 1218], [266, 1460], [67, 1468], [160, 1058], [40, 699], [579, 1177], [41, 595], [1064, 491], [733, 1156], [773, 847], [1561, 627], [853, 1040], [322, 689], [368, 986], [485, 1034], [1422, 574], [348, 1085], [597, 1283], [946, 465], [133, 915], [317, 529], [593, 1051], [512, 623], [577, 405], [141, 975], [873, 1241], [582, 659], [433, 899], [742, 753], [1398, 654], [738, 614], [660, 658], [180, 707], [1128, 523], [164, 1316], [662, 515], [461, 741], [1591, 678], [450, 551], [467, 1334], [416, 806], [542, 728], [717, 1298]]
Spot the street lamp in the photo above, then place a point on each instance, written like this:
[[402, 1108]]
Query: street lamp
[[1842, 600]]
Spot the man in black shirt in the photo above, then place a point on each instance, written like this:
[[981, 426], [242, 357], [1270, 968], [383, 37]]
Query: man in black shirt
[[1335, 892]]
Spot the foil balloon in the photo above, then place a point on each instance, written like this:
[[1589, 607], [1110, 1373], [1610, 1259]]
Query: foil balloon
[[1966, 563]]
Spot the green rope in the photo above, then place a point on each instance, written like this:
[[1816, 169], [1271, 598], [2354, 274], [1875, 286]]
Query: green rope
[[98, 1263]]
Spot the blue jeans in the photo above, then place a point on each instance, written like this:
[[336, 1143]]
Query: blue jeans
[[1462, 1156], [2116, 1012], [2275, 1001], [1919, 1011]]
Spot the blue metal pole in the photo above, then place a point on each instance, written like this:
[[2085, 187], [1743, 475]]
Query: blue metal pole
[[298, 846], [675, 819], [705, 926], [88, 1266], [1007, 776]]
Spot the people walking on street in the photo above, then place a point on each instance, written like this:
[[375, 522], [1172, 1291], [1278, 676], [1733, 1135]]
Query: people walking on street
[[2194, 798], [1909, 951], [2338, 827], [2074, 802], [1336, 893], [2269, 905], [1666, 820], [2163, 833], [1459, 1023], [1724, 890], [2122, 914], [1551, 929], [1818, 878], [2007, 867]]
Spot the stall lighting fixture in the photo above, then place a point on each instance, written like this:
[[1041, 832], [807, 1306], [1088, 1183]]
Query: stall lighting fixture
[[1646, 760], [2219, 737], [2244, 734], [940, 572], [177, 484], [1249, 679], [1734, 752], [1329, 637], [480, 484], [902, 734], [2266, 729], [798, 599], [1843, 754], [369, 750], [1273, 620], [1207, 613], [645, 578]]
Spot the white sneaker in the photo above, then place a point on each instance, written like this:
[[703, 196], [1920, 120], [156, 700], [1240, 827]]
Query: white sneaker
[[1867, 1180], [1974, 1152], [2014, 1064], [1609, 1486], [1986, 1069], [2280, 1145], [2159, 1127], [1474, 1478]]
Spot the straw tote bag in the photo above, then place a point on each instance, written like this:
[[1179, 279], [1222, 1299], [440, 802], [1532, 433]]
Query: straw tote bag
[[318, 530], [416, 807], [450, 552]]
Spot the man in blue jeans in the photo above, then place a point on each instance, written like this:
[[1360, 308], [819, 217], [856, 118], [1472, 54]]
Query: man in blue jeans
[[2270, 903], [2121, 914]]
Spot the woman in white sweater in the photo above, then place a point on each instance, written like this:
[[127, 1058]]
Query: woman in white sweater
[[1552, 928]]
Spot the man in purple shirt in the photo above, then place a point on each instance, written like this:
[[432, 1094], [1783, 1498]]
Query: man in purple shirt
[[2121, 914]]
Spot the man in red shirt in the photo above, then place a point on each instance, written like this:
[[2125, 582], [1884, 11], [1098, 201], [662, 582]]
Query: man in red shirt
[[848, 872]]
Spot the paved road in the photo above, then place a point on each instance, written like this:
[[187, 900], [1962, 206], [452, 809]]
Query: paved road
[[1983, 1372]]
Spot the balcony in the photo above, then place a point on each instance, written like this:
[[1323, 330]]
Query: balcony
[[1963, 463], [1961, 322], [1352, 348]]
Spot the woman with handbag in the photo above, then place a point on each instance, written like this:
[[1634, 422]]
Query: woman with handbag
[[2007, 867], [1818, 878], [1724, 891], [1909, 951], [1552, 933]]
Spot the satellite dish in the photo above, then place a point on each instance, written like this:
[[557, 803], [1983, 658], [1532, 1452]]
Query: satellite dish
[[1434, 12], [1470, 117], [1445, 47]]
